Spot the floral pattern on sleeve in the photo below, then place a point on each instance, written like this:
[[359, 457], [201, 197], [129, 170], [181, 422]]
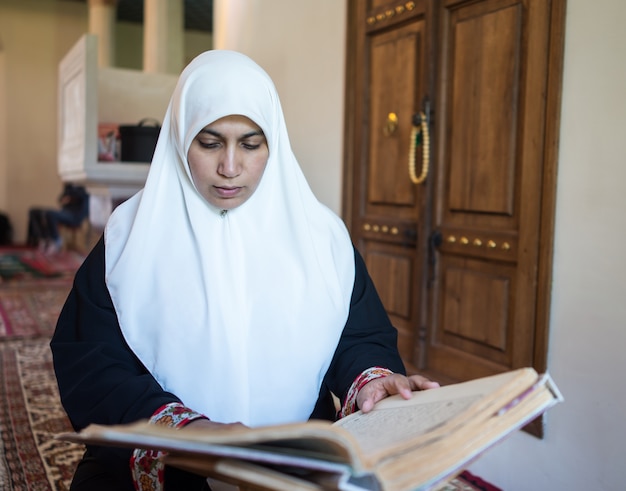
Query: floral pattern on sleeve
[[147, 469]]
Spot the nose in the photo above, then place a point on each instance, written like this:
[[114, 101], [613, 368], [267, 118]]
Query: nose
[[230, 166]]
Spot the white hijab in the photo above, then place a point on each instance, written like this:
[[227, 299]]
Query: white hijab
[[237, 315]]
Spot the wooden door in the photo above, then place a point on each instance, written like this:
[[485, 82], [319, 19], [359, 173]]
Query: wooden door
[[461, 261]]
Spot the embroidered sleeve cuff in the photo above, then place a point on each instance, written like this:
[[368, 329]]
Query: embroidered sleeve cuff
[[175, 414], [366, 376], [146, 467]]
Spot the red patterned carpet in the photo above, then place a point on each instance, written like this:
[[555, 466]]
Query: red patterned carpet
[[33, 288], [30, 415], [31, 309]]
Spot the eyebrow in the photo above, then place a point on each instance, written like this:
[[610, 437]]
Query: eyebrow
[[242, 137]]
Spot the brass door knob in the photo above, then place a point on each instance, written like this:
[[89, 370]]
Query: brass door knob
[[391, 125]]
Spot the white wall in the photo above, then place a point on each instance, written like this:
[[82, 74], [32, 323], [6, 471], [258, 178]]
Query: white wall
[[301, 45]]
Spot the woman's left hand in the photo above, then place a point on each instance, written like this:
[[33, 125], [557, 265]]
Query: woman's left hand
[[382, 387]]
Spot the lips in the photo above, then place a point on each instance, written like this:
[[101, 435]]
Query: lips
[[227, 192]]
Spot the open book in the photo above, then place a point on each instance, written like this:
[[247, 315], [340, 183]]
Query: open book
[[414, 444]]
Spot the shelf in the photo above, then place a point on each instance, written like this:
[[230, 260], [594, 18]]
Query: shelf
[[89, 95]]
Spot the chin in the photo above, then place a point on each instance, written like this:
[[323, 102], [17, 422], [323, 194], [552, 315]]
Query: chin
[[227, 204]]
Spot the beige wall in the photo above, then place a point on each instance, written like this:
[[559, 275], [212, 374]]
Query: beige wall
[[4, 199], [301, 46], [34, 36]]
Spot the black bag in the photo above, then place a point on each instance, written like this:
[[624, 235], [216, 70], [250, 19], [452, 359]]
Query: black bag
[[139, 141]]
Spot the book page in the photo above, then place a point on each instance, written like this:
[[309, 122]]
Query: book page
[[395, 421], [380, 429], [446, 457]]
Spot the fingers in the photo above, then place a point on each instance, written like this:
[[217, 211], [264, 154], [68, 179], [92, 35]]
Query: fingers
[[399, 384], [379, 388], [383, 387], [371, 393], [419, 382], [368, 405]]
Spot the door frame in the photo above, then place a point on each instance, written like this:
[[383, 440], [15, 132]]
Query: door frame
[[355, 18]]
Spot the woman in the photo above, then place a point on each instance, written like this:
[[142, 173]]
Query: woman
[[223, 292]]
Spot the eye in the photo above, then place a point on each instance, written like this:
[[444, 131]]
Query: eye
[[253, 143], [208, 144]]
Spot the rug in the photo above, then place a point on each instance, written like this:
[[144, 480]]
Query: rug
[[31, 309], [467, 478], [59, 264], [30, 415], [11, 268], [22, 264]]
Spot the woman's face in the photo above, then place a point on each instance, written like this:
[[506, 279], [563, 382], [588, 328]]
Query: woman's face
[[227, 159]]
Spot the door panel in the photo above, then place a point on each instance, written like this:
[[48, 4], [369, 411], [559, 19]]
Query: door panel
[[392, 268], [396, 88], [485, 57], [476, 324], [491, 143], [390, 211]]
